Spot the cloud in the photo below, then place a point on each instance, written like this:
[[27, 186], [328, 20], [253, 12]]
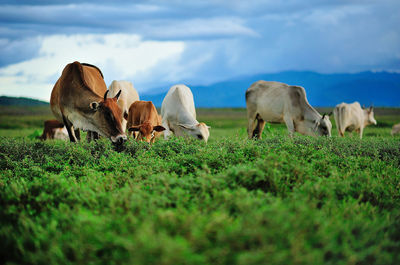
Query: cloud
[[120, 56], [146, 20], [18, 50], [156, 43]]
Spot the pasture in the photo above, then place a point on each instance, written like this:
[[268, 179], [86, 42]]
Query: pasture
[[232, 201]]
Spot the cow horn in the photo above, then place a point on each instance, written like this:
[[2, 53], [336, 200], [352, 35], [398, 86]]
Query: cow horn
[[105, 95], [323, 116], [118, 94]]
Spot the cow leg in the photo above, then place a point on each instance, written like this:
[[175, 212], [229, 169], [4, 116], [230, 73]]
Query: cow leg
[[70, 130], [257, 131], [360, 131], [251, 123], [259, 128], [89, 136], [49, 136], [92, 136], [289, 124], [251, 128], [167, 131], [95, 136], [78, 134]]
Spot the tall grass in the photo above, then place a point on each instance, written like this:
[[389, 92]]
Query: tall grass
[[232, 201]]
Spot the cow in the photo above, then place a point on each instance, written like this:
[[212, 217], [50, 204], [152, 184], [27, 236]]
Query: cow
[[127, 97], [79, 100], [144, 119], [53, 129], [179, 114], [395, 129], [276, 102], [351, 117]]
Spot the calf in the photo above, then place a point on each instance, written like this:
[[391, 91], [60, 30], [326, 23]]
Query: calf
[[144, 119]]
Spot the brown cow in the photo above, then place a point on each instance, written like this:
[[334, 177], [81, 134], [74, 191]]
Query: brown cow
[[79, 100], [143, 118], [53, 129]]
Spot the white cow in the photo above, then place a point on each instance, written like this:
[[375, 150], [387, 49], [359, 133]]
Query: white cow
[[54, 129], [127, 97], [396, 129], [61, 134], [179, 114], [277, 102], [351, 117]]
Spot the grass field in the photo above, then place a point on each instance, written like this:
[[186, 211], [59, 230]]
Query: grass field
[[232, 201]]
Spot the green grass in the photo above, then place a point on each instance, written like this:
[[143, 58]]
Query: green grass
[[306, 200]]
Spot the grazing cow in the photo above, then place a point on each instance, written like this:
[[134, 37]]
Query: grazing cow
[[79, 100], [395, 129], [143, 118], [179, 114], [127, 97], [278, 102], [53, 129], [351, 117]]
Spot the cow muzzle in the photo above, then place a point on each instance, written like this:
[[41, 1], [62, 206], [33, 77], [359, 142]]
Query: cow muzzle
[[120, 139]]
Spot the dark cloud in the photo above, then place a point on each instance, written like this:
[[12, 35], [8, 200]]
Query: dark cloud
[[18, 50], [223, 38]]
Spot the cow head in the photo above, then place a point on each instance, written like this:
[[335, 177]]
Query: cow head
[[107, 118], [370, 116], [199, 131], [147, 132], [323, 126]]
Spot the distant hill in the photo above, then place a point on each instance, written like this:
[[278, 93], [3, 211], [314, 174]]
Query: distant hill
[[378, 88], [12, 101]]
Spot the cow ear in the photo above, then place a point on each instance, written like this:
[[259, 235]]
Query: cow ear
[[188, 127], [134, 128], [125, 115], [94, 105], [158, 128], [118, 94]]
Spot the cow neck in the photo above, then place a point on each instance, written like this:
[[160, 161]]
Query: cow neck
[[311, 114], [87, 97], [365, 117], [189, 119]]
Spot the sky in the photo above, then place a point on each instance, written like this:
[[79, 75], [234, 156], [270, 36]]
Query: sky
[[155, 44]]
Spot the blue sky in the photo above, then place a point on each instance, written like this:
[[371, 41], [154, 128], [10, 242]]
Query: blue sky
[[155, 44]]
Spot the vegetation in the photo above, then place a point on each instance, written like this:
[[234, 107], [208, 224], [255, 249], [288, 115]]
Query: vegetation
[[232, 201]]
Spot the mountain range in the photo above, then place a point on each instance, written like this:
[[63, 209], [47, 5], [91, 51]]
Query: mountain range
[[377, 88], [21, 101]]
